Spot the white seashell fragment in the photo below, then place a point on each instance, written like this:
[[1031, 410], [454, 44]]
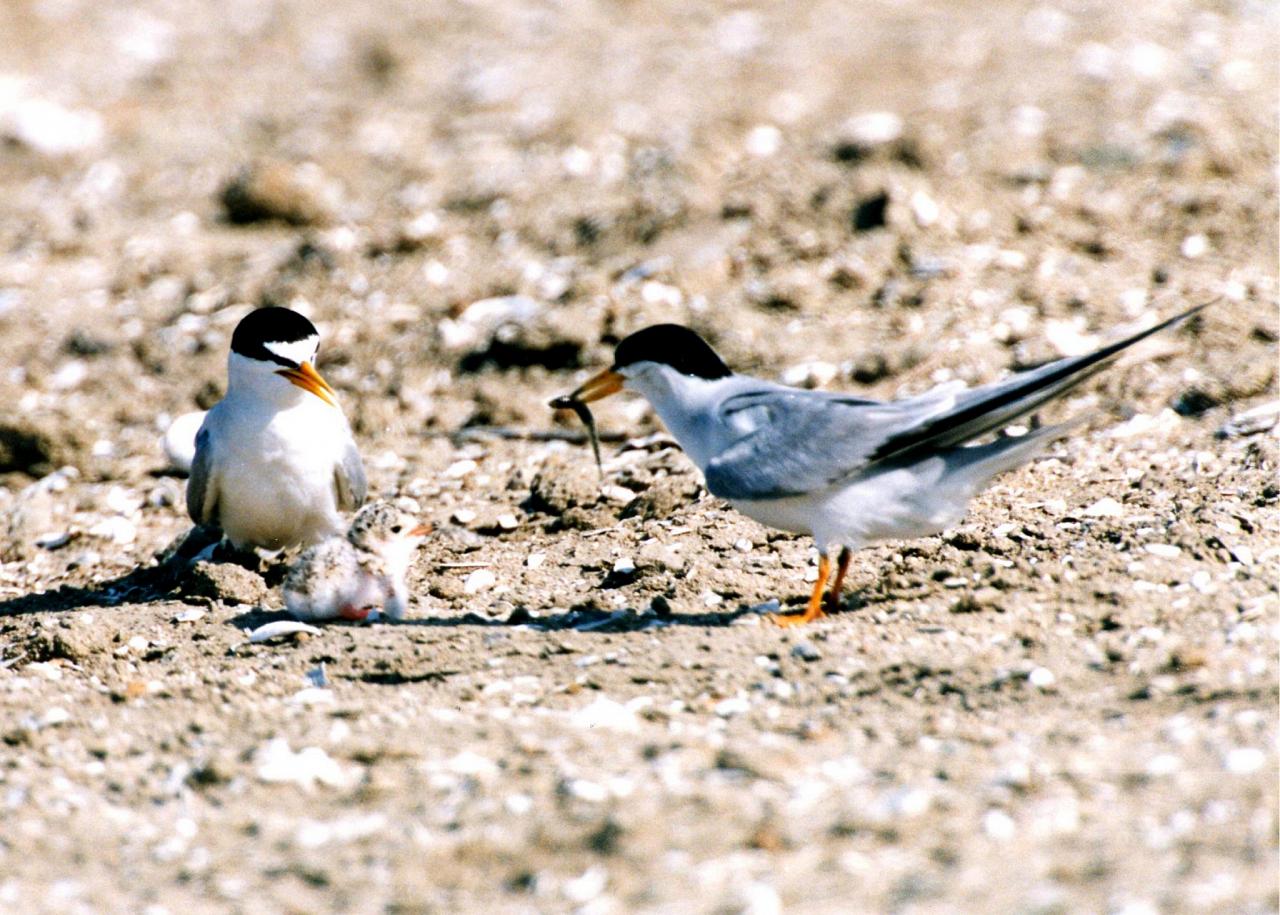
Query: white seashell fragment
[[276, 762], [280, 628], [479, 580], [120, 531], [1105, 508], [53, 540], [606, 714]]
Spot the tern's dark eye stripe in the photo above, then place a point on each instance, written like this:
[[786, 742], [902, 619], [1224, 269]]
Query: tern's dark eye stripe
[[270, 325]]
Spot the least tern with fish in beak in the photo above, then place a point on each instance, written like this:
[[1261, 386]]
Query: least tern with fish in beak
[[847, 470], [275, 464]]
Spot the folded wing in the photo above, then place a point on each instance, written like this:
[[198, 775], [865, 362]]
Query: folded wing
[[804, 441]]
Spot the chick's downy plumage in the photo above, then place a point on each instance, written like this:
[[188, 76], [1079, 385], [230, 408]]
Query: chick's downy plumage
[[348, 577]]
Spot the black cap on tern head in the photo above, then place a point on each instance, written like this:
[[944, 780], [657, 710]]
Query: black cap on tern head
[[673, 345], [257, 331]]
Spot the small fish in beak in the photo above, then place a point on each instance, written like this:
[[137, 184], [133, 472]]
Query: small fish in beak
[[583, 412]]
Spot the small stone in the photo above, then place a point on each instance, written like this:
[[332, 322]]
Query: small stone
[[624, 566], [763, 141], [742, 545], [873, 129], [1194, 246], [480, 580], [463, 516], [508, 521], [120, 531], [1244, 760], [805, 652], [535, 560], [999, 825], [728, 708], [1041, 677], [606, 714], [1105, 508], [53, 540], [299, 195], [225, 582], [459, 469], [1163, 550]]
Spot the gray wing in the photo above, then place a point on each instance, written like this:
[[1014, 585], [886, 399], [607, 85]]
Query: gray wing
[[805, 441], [202, 487], [349, 479]]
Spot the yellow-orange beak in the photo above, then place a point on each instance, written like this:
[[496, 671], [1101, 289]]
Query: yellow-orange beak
[[597, 386], [306, 377], [421, 530]]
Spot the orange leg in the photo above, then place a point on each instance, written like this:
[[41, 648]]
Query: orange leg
[[842, 566], [814, 610]]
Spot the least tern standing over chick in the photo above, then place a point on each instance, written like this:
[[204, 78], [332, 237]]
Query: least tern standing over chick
[[846, 470], [349, 577], [275, 464]]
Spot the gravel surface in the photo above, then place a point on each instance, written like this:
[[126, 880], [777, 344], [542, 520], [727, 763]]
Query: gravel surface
[[1068, 703]]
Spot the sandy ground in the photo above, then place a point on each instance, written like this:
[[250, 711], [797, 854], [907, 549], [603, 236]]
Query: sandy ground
[[1066, 704]]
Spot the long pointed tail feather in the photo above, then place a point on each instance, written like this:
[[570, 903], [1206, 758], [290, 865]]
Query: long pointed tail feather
[[996, 406]]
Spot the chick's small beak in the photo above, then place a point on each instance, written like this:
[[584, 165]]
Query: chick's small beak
[[594, 388], [421, 530], [306, 377]]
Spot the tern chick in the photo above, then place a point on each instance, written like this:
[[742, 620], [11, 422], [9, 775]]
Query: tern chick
[[275, 464], [348, 577], [846, 470]]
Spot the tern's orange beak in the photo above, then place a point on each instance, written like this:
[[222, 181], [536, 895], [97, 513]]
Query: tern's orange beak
[[421, 530], [306, 377], [598, 386]]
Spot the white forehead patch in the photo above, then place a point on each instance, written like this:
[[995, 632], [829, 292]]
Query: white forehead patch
[[299, 351]]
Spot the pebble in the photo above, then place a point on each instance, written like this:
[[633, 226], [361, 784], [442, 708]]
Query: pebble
[[584, 790], [46, 127], [728, 708], [875, 128], [606, 714], [810, 374], [508, 521], [53, 541], [276, 762], [299, 195], [459, 469], [188, 616], [764, 141], [1163, 550], [618, 494], [999, 825], [742, 545], [1105, 508], [120, 531], [624, 566], [1041, 677], [1244, 760], [1251, 422], [463, 516], [805, 652], [535, 560], [480, 580], [1194, 246]]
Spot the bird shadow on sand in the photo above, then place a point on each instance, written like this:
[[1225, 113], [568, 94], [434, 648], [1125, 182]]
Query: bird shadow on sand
[[147, 584]]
